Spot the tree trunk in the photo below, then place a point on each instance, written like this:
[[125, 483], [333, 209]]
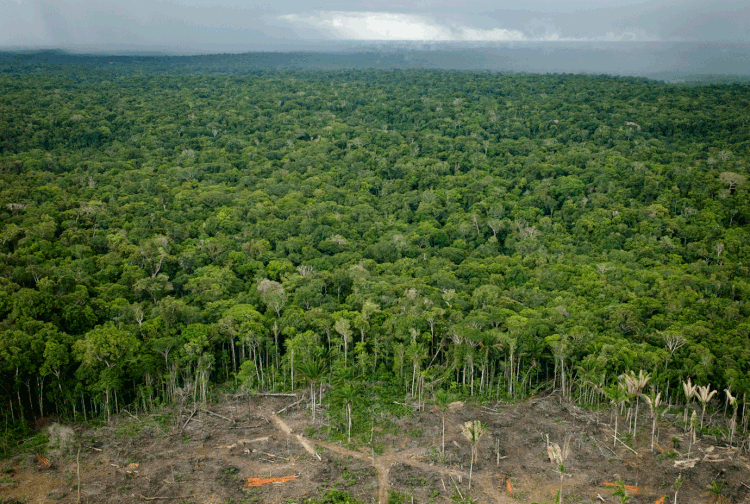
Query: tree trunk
[[349, 418], [562, 379], [106, 392], [614, 439], [653, 432], [442, 448], [41, 397], [510, 377], [312, 396], [471, 466]]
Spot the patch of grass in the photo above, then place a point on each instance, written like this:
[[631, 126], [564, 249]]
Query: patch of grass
[[519, 495], [163, 421], [335, 497], [378, 447], [715, 488], [8, 482], [349, 478], [396, 497], [671, 455], [459, 497], [37, 443], [129, 429]]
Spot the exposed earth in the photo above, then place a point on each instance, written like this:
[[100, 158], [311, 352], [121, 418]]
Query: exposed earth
[[188, 455]]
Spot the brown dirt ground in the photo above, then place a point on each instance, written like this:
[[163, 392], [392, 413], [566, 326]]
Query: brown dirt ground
[[206, 457]]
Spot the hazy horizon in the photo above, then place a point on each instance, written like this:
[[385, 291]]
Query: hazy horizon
[[193, 26], [658, 60]]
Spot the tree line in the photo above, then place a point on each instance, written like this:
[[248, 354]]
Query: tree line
[[166, 230]]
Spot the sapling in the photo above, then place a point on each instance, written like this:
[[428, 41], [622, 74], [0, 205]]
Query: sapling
[[677, 484], [620, 492], [653, 402], [473, 431], [558, 456]]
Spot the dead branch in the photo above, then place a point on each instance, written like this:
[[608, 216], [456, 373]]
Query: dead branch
[[623, 444], [457, 490], [290, 406], [276, 394], [275, 456], [404, 404], [188, 420], [217, 415], [600, 444], [164, 498]]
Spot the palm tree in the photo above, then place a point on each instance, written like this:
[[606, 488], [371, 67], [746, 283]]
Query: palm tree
[[313, 370], [473, 431], [704, 395], [690, 390], [653, 401], [347, 393], [416, 353], [634, 385], [617, 396], [443, 399]]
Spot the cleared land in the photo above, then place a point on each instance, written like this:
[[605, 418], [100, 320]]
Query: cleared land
[[211, 456]]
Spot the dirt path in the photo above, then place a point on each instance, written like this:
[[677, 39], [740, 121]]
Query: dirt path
[[282, 425], [383, 464]]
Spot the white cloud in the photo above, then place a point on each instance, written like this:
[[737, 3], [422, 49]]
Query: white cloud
[[389, 26], [496, 34]]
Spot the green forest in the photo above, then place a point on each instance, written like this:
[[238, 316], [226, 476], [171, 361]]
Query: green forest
[[172, 229]]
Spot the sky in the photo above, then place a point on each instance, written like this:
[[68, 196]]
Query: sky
[[235, 26]]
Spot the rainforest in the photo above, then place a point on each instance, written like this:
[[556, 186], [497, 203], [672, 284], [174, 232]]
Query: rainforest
[[172, 229]]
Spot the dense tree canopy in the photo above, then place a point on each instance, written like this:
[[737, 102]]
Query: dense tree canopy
[[163, 229]]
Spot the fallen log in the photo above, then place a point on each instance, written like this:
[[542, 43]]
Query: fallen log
[[256, 482], [217, 415], [290, 406]]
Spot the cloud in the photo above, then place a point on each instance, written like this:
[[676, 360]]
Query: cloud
[[394, 26]]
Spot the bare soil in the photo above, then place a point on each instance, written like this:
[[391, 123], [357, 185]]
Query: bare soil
[[205, 456]]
